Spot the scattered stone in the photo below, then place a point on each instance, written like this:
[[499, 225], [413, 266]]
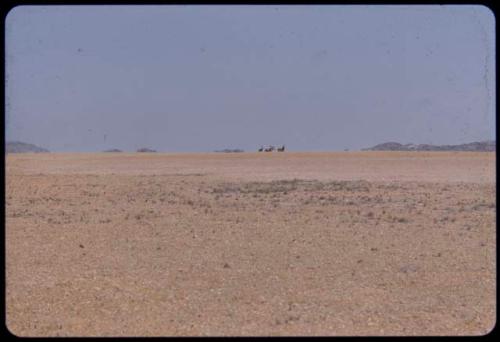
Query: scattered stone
[[408, 268]]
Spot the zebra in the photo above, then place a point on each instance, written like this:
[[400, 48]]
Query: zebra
[[261, 149], [269, 149], [281, 149]]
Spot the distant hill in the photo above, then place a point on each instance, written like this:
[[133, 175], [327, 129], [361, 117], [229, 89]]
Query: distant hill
[[21, 147], [228, 150], [477, 146], [113, 150], [145, 149]]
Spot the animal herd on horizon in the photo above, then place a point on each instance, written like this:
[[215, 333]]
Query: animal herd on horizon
[[272, 148]]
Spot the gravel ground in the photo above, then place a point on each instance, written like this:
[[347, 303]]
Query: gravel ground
[[251, 244]]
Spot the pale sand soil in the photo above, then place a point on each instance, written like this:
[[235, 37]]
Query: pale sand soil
[[356, 243]]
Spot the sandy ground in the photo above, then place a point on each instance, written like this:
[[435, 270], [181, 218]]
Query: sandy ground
[[251, 244]]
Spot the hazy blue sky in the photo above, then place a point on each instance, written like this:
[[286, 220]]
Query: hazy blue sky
[[200, 78]]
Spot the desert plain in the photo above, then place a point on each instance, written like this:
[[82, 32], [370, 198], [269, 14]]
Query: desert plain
[[251, 244]]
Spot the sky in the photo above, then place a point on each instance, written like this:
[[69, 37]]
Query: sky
[[203, 78]]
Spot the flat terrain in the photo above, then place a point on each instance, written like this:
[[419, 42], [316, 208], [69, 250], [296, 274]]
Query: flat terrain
[[259, 244]]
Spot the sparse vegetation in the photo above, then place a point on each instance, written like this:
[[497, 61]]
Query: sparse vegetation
[[286, 186]]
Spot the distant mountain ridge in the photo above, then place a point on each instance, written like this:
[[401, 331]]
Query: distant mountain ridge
[[145, 149], [21, 147], [476, 146], [228, 150]]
